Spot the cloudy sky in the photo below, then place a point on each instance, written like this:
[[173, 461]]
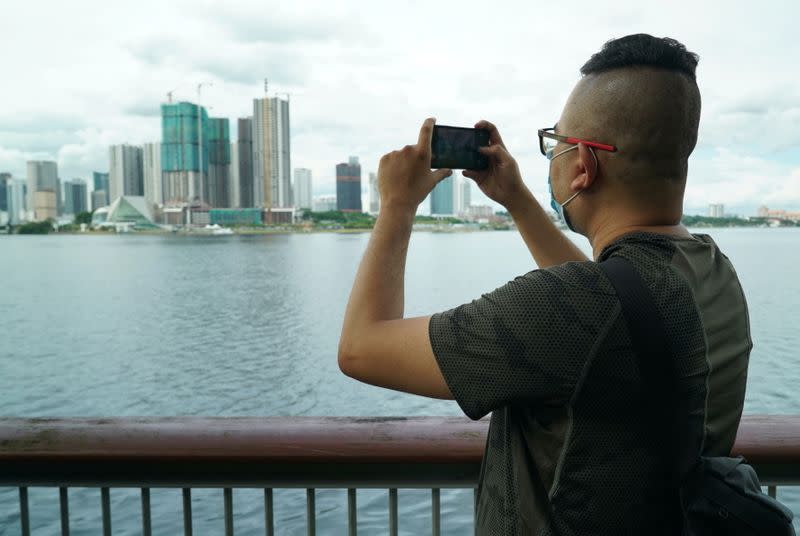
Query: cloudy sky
[[78, 76]]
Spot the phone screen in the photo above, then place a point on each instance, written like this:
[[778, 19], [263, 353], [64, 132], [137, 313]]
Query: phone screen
[[457, 147]]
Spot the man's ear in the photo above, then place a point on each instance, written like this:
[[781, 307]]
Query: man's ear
[[586, 168]]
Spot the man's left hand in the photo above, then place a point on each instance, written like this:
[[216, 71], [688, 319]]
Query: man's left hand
[[405, 177]]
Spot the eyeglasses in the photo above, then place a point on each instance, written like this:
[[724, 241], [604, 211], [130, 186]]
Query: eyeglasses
[[548, 140]]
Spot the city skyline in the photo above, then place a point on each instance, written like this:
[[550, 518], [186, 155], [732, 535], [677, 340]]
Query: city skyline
[[346, 99]]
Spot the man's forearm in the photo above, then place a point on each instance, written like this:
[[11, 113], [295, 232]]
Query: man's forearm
[[379, 284], [548, 245]]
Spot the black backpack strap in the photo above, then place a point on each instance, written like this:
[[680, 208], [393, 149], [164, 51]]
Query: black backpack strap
[[645, 326], [652, 350]]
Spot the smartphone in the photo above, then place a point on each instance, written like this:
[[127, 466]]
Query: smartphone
[[457, 147]]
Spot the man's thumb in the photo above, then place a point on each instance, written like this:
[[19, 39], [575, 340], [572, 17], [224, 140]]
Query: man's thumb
[[441, 174]]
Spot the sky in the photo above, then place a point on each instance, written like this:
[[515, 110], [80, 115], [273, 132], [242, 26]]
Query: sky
[[79, 76]]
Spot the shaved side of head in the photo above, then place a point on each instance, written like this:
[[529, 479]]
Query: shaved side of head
[[650, 114], [639, 93]]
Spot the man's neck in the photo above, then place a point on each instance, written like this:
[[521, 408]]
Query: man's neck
[[605, 236]]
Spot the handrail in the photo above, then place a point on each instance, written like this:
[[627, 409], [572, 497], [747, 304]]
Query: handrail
[[297, 451]]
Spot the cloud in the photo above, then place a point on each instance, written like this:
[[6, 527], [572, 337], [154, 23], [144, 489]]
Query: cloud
[[743, 182], [222, 59], [45, 142], [273, 24], [89, 152], [143, 109]]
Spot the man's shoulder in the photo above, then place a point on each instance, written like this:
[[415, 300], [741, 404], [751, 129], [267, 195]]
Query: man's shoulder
[[580, 277]]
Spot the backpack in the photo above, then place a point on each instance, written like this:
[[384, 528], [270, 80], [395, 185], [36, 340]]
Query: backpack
[[718, 495]]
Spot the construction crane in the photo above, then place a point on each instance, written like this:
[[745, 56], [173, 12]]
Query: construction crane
[[278, 94], [172, 92]]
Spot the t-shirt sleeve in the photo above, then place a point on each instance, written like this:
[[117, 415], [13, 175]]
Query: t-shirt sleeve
[[525, 343]]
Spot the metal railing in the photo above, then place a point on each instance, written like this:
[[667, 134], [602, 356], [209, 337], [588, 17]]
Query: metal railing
[[291, 452]]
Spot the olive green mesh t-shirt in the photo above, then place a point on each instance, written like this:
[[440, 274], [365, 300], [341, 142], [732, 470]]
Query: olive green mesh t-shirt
[[570, 449]]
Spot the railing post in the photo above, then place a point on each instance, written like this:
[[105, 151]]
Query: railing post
[[63, 498], [187, 511], [311, 512], [269, 514], [146, 525], [105, 500], [772, 491], [475, 510], [393, 512], [352, 512], [228, 499], [23, 512], [436, 512]]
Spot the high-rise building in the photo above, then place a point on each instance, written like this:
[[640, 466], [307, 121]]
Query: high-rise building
[[126, 174], [99, 199], [272, 181], [215, 189], [59, 197], [68, 203], [303, 190], [45, 205], [234, 188], [181, 152], [244, 161], [374, 194], [348, 186], [75, 192], [17, 209], [43, 189], [100, 183], [716, 210], [4, 178], [463, 195], [153, 176], [442, 197]]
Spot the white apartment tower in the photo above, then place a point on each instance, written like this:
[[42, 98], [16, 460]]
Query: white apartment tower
[[374, 194], [153, 184], [463, 195], [303, 191]]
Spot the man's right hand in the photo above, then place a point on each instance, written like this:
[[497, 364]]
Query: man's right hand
[[501, 181]]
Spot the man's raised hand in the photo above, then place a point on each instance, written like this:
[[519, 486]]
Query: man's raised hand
[[405, 177], [501, 180]]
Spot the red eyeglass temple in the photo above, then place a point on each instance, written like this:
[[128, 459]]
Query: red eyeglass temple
[[594, 144]]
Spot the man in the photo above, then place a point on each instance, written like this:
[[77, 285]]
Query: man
[[549, 354]]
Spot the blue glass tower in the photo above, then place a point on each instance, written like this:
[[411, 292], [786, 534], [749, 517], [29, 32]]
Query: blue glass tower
[[442, 197]]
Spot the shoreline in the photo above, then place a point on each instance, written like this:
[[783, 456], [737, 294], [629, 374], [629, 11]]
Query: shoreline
[[249, 232], [258, 232]]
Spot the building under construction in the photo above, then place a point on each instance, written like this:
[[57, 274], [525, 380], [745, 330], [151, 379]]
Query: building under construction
[[272, 179], [181, 152], [216, 189]]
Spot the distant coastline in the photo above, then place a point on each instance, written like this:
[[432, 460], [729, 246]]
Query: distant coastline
[[361, 223]]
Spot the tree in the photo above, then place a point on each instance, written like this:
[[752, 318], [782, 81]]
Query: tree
[[83, 217], [38, 227]]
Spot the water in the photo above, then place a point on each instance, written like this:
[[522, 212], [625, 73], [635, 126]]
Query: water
[[219, 326]]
